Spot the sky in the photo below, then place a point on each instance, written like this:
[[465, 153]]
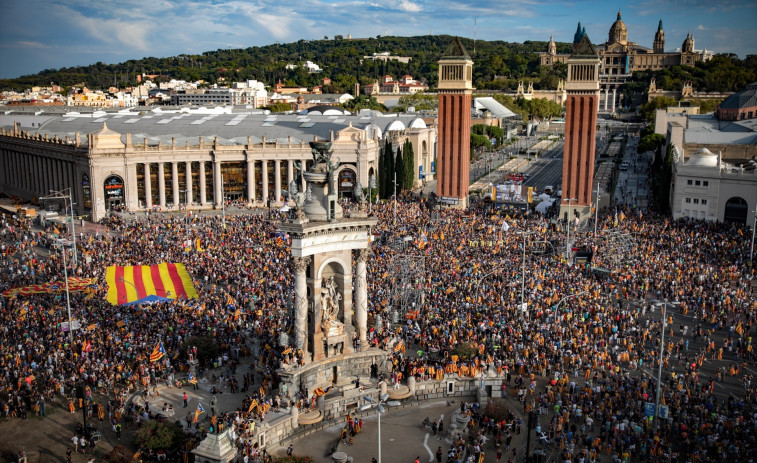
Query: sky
[[50, 34]]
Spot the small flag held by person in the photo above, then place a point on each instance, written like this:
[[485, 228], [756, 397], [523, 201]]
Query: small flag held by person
[[505, 226], [192, 379], [198, 412], [158, 352]]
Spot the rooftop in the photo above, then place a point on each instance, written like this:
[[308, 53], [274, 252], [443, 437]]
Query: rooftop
[[187, 126]]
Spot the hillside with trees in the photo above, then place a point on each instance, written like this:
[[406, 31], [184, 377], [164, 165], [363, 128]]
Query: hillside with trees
[[342, 61], [498, 66]]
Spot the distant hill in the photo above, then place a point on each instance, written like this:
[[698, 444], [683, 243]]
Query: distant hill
[[498, 65], [340, 60]]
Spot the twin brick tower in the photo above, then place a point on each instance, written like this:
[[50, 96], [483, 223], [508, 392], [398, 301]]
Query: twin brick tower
[[455, 90]]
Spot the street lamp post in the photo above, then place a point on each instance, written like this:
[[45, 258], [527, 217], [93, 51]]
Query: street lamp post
[[754, 227], [596, 212], [59, 194], [379, 410], [664, 305], [567, 238], [62, 245]]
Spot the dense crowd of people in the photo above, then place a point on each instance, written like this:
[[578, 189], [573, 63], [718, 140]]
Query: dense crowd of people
[[589, 333]]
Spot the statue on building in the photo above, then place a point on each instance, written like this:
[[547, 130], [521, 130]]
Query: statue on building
[[330, 298]]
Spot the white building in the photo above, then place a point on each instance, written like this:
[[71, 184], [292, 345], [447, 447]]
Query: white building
[[704, 187]]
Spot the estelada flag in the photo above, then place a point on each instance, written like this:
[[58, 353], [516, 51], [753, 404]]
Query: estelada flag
[[192, 379], [198, 411], [145, 283], [158, 352]]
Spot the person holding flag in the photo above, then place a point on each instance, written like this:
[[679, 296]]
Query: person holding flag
[[193, 381], [198, 412], [158, 353]]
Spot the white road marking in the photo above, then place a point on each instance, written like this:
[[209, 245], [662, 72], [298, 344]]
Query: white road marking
[[430, 453]]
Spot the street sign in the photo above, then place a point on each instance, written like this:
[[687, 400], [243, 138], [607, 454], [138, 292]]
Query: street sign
[[75, 324], [649, 410], [448, 200]]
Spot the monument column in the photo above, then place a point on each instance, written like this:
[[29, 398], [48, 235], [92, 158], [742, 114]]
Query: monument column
[[188, 183], [583, 91], [361, 292], [148, 187], [455, 92], [250, 180], [217, 199], [264, 168], [175, 184], [277, 181], [300, 302], [614, 90], [162, 185], [607, 96], [203, 187]]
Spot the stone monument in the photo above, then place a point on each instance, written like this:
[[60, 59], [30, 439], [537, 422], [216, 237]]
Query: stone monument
[[326, 247]]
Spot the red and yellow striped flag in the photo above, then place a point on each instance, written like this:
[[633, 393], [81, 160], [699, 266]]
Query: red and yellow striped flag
[[154, 282]]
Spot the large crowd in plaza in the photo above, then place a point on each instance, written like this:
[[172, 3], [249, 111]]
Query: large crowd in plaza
[[579, 361]]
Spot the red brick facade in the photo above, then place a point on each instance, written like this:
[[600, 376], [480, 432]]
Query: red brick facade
[[453, 152], [580, 145]]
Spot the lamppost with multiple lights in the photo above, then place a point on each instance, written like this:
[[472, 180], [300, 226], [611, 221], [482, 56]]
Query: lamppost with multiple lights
[[380, 409]]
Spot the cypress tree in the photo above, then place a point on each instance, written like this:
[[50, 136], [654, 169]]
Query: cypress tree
[[399, 168], [409, 160]]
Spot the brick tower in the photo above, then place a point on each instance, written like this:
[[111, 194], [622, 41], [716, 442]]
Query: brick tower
[[581, 107], [453, 156]]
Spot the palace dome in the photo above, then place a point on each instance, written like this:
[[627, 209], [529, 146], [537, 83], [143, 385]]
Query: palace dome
[[618, 32]]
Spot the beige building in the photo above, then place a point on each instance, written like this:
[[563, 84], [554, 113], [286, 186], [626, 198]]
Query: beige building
[[706, 188], [164, 160]]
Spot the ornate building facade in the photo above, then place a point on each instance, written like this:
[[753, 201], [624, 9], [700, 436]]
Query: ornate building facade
[[619, 56], [165, 160]]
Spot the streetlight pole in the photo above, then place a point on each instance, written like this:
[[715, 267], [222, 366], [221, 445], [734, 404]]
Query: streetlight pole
[[395, 196], [223, 202], [61, 195], [379, 410], [523, 277], [754, 227], [567, 238], [659, 367], [596, 212], [62, 246]]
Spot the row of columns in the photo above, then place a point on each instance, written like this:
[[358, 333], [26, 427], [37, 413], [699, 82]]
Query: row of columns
[[607, 97], [37, 174], [217, 182]]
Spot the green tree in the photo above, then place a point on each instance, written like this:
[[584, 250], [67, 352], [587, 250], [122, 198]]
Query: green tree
[[399, 170], [363, 102], [207, 349], [409, 160], [479, 141], [420, 101], [279, 107], [650, 143], [659, 102], [157, 435], [542, 108]]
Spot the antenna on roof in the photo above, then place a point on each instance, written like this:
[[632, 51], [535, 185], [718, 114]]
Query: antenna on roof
[[474, 34]]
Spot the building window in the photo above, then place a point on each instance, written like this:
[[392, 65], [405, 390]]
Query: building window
[[689, 182], [696, 201], [705, 183], [688, 200], [697, 183], [704, 202]]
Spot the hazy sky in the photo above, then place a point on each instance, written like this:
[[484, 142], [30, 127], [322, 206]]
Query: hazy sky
[[44, 34]]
